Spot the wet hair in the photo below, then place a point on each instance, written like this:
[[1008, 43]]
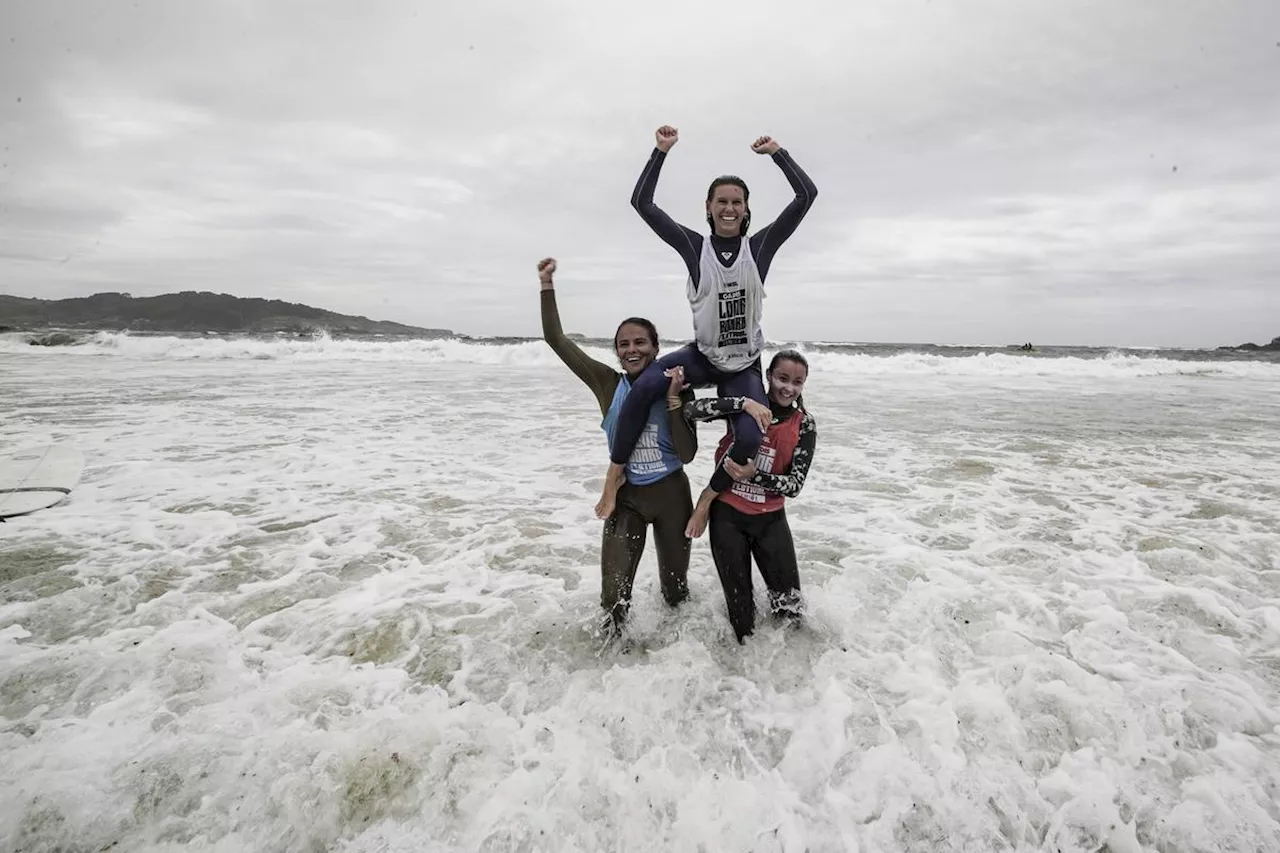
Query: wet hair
[[642, 323], [798, 358], [735, 181]]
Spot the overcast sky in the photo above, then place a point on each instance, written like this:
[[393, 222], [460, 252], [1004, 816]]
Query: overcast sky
[[990, 171]]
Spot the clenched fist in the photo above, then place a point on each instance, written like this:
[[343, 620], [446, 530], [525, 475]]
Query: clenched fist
[[546, 269], [765, 145]]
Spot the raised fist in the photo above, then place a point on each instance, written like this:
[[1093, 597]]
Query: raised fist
[[546, 269], [765, 145], [666, 136]]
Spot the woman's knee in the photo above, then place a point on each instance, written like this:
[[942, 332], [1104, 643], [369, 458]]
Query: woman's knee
[[650, 383]]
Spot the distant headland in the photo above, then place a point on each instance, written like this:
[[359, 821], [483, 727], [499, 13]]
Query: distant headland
[[1274, 346], [191, 311]]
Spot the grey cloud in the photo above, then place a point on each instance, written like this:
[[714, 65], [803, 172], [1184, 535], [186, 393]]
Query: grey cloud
[[993, 166], [20, 215]]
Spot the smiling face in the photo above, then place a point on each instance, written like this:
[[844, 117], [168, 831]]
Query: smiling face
[[786, 381], [635, 347], [727, 209]]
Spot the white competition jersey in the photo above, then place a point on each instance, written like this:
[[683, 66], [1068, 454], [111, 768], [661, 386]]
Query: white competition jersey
[[727, 305]]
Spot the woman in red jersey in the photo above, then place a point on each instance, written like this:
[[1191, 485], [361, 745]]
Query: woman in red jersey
[[749, 518]]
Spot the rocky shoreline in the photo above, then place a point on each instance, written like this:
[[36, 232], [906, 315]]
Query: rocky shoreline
[[1274, 346], [57, 322]]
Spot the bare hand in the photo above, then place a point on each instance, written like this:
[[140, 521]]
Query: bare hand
[[765, 145], [760, 413], [546, 269], [666, 136], [676, 375], [741, 473]]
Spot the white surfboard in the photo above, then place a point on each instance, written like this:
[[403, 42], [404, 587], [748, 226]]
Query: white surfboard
[[35, 478]]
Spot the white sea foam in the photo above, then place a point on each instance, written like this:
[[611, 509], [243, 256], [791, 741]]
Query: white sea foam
[[341, 595], [537, 353]]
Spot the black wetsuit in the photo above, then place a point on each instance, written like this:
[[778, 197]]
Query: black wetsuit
[[699, 372], [666, 504], [737, 536]]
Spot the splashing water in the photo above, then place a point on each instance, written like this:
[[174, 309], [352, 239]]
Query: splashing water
[[342, 595]]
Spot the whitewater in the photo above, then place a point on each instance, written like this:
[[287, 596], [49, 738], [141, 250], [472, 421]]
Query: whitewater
[[342, 595]]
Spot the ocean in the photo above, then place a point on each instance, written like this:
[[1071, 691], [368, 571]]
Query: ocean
[[342, 595]]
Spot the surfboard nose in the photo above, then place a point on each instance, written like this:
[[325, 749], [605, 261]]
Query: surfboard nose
[[36, 478]]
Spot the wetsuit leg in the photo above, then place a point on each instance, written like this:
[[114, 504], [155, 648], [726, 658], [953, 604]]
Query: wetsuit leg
[[731, 551], [673, 504], [648, 388], [775, 554], [746, 432], [622, 543]]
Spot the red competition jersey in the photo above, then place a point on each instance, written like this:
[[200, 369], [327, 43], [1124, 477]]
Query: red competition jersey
[[774, 457]]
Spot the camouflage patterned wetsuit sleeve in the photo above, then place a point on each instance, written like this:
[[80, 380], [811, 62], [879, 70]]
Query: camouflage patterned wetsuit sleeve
[[708, 408], [789, 484]]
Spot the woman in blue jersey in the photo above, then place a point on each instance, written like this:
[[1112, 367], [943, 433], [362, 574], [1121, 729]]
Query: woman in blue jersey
[[725, 291]]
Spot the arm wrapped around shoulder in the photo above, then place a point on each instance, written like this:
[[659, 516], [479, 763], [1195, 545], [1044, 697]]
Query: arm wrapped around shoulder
[[789, 484]]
